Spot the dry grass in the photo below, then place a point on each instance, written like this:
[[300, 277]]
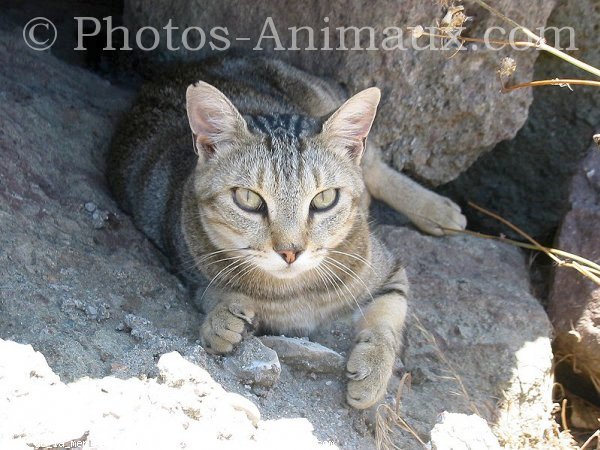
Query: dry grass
[[454, 375], [389, 418], [561, 258], [451, 26]]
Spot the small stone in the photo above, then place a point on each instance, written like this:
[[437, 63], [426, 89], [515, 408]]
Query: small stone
[[254, 364], [99, 219], [304, 354], [91, 311], [328, 383], [103, 312], [90, 207]]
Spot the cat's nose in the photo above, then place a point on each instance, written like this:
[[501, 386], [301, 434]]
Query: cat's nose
[[289, 256]]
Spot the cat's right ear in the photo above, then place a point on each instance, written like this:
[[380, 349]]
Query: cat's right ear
[[214, 121]]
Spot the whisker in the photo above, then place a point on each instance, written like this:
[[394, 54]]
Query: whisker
[[224, 259], [325, 284], [341, 295], [343, 283], [233, 269], [208, 255], [247, 272], [216, 276], [249, 265], [350, 272], [192, 263], [355, 256]]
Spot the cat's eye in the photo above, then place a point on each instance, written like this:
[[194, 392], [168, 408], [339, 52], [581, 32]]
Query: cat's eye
[[248, 200], [324, 200]]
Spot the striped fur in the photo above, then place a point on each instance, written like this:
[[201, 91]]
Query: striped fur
[[269, 128]]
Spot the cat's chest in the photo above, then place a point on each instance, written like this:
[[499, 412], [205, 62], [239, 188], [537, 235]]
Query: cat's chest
[[302, 315]]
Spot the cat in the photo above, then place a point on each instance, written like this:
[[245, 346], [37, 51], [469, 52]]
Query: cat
[[262, 192]]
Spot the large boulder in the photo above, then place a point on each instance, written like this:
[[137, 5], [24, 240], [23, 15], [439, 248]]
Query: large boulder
[[527, 179], [574, 306], [87, 290], [440, 110]]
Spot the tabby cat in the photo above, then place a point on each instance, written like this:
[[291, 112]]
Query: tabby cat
[[267, 204]]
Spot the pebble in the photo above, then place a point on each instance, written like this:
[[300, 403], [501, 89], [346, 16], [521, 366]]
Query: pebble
[[90, 207], [99, 219], [254, 364]]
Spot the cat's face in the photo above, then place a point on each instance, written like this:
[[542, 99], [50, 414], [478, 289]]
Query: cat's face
[[285, 208], [279, 193]]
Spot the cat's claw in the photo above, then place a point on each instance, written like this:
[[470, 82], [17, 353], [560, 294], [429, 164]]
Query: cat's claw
[[224, 326], [369, 369], [243, 312]]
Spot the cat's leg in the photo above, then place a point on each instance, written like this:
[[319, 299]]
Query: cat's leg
[[226, 321], [379, 329], [428, 211]]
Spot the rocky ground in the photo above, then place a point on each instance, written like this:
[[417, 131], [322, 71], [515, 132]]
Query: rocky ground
[[86, 290]]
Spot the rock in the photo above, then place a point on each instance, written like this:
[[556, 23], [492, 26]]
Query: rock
[[574, 304], [425, 123], [526, 180], [175, 411], [240, 403], [253, 363], [304, 354], [175, 371], [462, 432], [477, 339]]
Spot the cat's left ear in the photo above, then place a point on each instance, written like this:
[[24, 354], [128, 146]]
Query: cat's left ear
[[349, 126], [214, 121]]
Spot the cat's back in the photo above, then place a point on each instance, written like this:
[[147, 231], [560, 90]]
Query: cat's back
[[152, 155]]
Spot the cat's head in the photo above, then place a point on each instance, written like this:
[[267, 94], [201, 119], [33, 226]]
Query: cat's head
[[279, 192]]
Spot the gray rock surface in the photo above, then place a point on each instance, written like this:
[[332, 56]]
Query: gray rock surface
[[574, 305], [304, 354], [254, 364], [98, 301], [527, 179], [462, 432], [440, 111]]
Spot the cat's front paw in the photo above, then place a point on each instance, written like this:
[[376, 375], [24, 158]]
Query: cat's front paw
[[438, 216], [224, 326], [369, 369]]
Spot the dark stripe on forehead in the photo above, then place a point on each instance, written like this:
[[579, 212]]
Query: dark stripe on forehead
[[291, 125], [283, 137]]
